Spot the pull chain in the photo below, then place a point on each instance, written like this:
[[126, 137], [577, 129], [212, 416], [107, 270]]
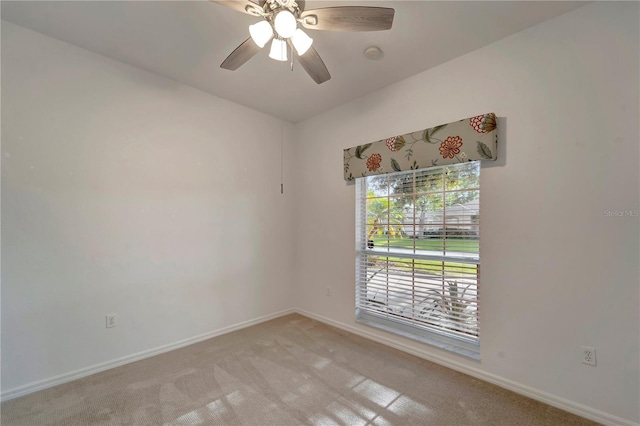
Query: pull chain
[[291, 57]]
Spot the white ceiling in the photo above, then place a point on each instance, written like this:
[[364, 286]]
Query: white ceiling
[[187, 40]]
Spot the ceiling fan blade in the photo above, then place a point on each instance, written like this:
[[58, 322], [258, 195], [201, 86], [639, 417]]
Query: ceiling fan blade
[[348, 18], [242, 54], [245, 6], [313, 64]]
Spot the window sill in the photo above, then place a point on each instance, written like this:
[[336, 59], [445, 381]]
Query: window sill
[[459, 347]]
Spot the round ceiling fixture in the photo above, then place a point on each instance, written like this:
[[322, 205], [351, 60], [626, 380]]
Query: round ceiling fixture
[[373, 52]]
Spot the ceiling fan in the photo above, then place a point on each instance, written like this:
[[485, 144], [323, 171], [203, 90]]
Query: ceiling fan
[[280, 19]]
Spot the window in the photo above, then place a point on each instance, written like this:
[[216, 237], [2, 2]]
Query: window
[[417, 254]]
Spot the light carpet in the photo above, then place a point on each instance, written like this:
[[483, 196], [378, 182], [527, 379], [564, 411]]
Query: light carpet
[[288, 371]]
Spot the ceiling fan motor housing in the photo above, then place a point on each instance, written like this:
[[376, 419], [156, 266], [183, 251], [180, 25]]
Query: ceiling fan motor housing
[[285, 3], [272, 7]]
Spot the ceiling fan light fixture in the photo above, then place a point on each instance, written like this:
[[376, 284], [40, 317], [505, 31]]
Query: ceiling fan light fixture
[[261, 33], [278, 50], [301, 41], [285, 24], [283, 17]]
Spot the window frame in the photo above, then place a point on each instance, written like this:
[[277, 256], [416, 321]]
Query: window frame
[[462, 345]]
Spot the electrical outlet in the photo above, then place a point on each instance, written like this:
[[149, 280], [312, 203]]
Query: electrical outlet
[[111, 320], [588, 355]]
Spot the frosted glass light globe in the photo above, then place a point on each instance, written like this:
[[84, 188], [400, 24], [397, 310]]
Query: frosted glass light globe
[[301, 41], [278, 50], [261, 32], [285, 24]]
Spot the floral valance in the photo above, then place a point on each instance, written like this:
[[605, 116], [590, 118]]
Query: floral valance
[[470, 139]]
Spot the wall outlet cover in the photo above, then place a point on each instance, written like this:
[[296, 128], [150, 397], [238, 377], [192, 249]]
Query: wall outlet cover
[[111, 320]]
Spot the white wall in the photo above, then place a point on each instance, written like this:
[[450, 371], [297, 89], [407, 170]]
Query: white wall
[[557, 273], [124, 192]]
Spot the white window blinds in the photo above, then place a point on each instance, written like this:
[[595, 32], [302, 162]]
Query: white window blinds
[[417, 251]]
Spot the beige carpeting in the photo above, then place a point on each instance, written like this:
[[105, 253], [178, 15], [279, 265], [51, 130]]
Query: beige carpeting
[[288, 371]]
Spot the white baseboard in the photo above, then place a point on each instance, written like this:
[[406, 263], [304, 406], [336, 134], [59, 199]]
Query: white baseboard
[[547, 398], [87, 371]]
